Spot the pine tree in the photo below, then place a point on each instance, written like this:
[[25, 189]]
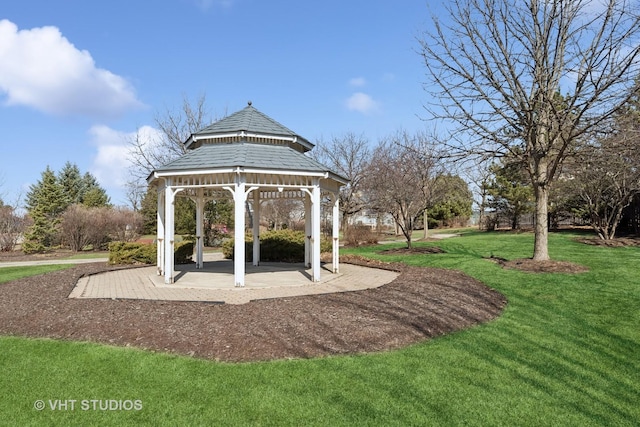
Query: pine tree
[[72, 183], [45, 204], [92, 195]]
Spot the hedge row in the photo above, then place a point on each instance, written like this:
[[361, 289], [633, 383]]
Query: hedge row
[[143, 253], [276, 246]]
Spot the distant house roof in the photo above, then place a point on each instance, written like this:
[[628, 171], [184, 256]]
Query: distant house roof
[[248, 122], [247, 155]]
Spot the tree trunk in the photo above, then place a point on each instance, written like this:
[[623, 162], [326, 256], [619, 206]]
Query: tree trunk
[[426, 226], [541, 231]]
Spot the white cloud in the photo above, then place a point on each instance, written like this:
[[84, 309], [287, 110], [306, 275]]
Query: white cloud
[[362, 103], [40, 68], [111, 163], [357, 82]]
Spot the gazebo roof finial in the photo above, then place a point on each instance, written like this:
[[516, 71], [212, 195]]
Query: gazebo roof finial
[[249, 103]]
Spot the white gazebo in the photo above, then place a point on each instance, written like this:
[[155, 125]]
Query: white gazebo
[[254, 158]]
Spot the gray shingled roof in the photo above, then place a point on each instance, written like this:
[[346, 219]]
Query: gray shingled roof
[[250, 120], [247, 155]]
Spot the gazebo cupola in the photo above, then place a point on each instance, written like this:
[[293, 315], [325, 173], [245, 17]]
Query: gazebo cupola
[[254, 158]]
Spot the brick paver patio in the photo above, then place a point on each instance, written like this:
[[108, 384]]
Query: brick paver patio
[[215, 283]]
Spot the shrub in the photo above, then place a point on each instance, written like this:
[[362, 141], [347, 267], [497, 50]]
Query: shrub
[[131, 253], [183, 252], [144, 253], [277, 246], [356, 235]]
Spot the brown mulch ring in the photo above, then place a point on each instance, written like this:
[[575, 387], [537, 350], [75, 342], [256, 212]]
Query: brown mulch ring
[[421, 303], [532, 266], [413, 251], [617, 242]]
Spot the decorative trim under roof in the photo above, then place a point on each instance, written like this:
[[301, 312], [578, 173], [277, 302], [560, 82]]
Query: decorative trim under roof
[[246, 155]]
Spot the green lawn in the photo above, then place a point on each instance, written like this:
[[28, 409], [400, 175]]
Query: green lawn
[[565, 352], [12, 273]]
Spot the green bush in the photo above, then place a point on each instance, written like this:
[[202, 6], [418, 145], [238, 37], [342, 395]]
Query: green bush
[[131, 253], [144, 253], [183, 252], [276, 246]]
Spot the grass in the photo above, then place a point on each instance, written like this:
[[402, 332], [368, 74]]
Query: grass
[[565, 352], [89, 255], [12, 273]]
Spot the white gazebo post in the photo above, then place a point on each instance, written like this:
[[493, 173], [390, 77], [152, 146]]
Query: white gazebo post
[[256, 227], [315, 230], [160, 232], [336, 234], [307, 229], [199, 227], [169, 199], [239, 200]]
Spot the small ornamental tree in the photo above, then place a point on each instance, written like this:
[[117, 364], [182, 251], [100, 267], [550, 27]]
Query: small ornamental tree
[[400, 179], [12, 226]]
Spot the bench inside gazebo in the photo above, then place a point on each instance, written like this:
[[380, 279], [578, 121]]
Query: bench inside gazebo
[[252, 158]]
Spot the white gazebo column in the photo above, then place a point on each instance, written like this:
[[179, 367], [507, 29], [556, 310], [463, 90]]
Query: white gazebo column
[[256, 227], [315, 231], [199, 227], [239, 200], [336, 234], [307, 229], [169, 205], [160, 233]]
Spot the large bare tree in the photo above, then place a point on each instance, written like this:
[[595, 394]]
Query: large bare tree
[[496, 69]]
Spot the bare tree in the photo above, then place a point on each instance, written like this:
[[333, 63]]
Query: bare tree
[[282, 213], [347, 155], [606, 177], [124, 224], [496, 69], [12, 222], [12, 226], [399, 178], [148, 153]]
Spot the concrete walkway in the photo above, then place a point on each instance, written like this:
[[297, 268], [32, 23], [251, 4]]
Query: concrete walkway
[[215, 282]]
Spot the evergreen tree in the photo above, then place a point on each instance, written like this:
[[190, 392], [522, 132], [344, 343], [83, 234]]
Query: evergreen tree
[[95, 197], [184, 215], [92, 194], [81, 189], [149, 210], [510, 193], [72, 184], [454, 200], [45, 203]]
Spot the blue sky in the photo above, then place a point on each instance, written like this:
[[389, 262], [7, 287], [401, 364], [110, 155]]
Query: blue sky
[[77, 78]]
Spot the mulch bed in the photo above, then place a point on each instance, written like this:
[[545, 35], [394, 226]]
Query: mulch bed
[[551, 266], [420, 304], [413, 251], [616, 243]]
